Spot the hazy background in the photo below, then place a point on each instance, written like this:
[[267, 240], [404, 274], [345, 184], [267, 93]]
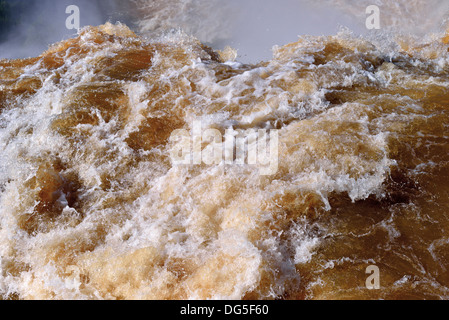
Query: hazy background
[[253, 27], [27, 27]]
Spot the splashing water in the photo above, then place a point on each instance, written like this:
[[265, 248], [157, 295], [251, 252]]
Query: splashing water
[[92, 207]]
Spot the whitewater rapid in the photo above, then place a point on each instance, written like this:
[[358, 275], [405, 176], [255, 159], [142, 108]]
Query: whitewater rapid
[[92, 206]]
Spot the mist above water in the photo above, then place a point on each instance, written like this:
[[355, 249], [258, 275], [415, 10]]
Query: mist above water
[[33, 25], [252, 27], [259, 26]]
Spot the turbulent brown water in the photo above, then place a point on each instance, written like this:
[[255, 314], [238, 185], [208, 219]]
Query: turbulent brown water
[[93, 208]]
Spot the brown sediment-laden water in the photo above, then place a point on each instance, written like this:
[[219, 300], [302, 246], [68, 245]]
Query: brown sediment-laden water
[[92, 206]]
